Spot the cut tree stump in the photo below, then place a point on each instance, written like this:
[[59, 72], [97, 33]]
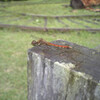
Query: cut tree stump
[[63, 74]]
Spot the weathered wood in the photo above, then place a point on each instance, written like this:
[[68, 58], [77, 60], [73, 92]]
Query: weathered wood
[[32, 28], [63, 74]]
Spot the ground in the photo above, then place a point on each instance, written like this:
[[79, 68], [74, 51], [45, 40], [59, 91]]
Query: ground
[[14, 44]]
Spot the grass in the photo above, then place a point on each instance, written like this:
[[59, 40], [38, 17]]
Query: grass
[[51, 22], [22, 20], [15, 43], [44, 9], [37, 1], [13, 57], [47, 9]]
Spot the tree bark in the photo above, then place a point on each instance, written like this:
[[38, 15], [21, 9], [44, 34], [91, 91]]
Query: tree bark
[[63, 74]]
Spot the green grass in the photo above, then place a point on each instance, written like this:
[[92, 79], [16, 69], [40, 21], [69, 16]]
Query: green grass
[[46, 9], [13, 57], [36, 1], [51, 22], [15, 43], [27, 21]]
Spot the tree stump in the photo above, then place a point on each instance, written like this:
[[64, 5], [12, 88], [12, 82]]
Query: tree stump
[[63, 74]]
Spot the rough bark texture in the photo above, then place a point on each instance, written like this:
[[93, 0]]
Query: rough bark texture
[[63, 74]]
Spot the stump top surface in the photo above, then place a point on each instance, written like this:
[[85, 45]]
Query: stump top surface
[[86, 60]]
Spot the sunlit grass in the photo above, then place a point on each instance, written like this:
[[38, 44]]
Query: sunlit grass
[[15, 43], [51, 22], [13, 57], [47, 9]]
